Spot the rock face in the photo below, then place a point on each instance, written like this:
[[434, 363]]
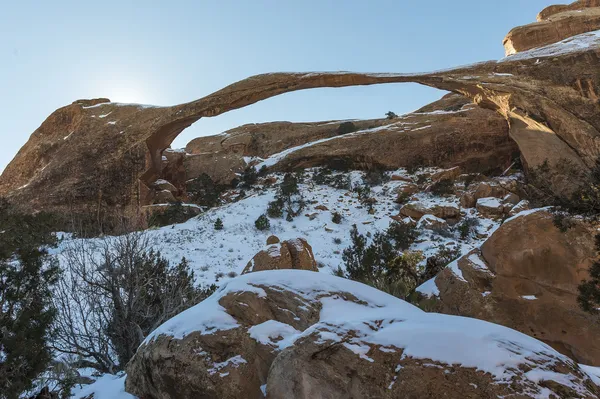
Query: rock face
[[93, 156], [555, 23], [291, 254], [295, 334], [525, 277], [451, 131]]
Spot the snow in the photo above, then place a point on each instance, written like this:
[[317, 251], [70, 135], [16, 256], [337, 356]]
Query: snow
[[208, 316], [489, 202], [477, 262], [234, 361], [593, 372], [529, 297], [456, 270], [429, 288], [216, 255], [267, 333], [527, 212], [106, 387]]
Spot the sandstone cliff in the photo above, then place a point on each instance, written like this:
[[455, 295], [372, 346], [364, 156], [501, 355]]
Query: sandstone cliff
[[109, 155]]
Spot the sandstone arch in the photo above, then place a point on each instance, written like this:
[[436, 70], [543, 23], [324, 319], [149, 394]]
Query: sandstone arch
[[549, 97]]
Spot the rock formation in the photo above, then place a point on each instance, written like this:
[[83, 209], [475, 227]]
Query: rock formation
[[93, 155], [525, 277], [295, 334], [290, 254], [555, 23], [446, 133]]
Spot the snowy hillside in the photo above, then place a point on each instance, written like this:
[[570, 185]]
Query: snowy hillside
[[218, 255]]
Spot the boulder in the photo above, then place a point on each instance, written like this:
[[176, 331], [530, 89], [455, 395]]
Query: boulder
[[295, 334], [407, 189], [446, 174], [482, 190], [490, 207], [272, 240], [164, 197], [290, 254], [431, 222], [417, 210], [525, 277], [164, 185]]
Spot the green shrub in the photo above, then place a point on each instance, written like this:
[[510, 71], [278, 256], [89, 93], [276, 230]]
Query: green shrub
[[467, 226], [390, 115], [375, 177], [442, 188], [325, 177], [27, 275], [218, 224], [346, 127], [380, 264], [174, 213], [204, 191], [402, 235], [288, 199], [336, 218], [249, 177], [275, 208], [262, 223]]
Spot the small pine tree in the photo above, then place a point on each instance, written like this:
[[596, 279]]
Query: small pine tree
[[27, 275], [262, 223], [219, 224], [391, 115], [336, 218], [589, 290]]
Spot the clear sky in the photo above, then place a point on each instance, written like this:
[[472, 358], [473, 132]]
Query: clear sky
[[169, 52]]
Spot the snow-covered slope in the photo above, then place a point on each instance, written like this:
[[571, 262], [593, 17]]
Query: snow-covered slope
[[218, 255]]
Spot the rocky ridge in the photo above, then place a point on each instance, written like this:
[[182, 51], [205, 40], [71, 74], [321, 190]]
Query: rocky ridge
[[548, 96]]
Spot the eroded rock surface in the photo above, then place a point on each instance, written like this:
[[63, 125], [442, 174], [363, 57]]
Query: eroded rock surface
[[525, 277], [110, 154], [555, 23], [296, 334]]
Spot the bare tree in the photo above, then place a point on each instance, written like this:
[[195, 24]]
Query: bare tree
[[117, 290]]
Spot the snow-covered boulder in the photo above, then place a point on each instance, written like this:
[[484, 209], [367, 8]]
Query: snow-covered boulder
[[431, 222], [490, 207], [291, 254], [482, 190], [525, 277], [295, 334]]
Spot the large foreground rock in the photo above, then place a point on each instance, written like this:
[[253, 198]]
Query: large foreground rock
[[297, 334], [525, 277]]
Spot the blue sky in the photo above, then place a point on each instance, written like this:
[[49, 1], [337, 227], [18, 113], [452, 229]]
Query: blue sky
[[169, 52]]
